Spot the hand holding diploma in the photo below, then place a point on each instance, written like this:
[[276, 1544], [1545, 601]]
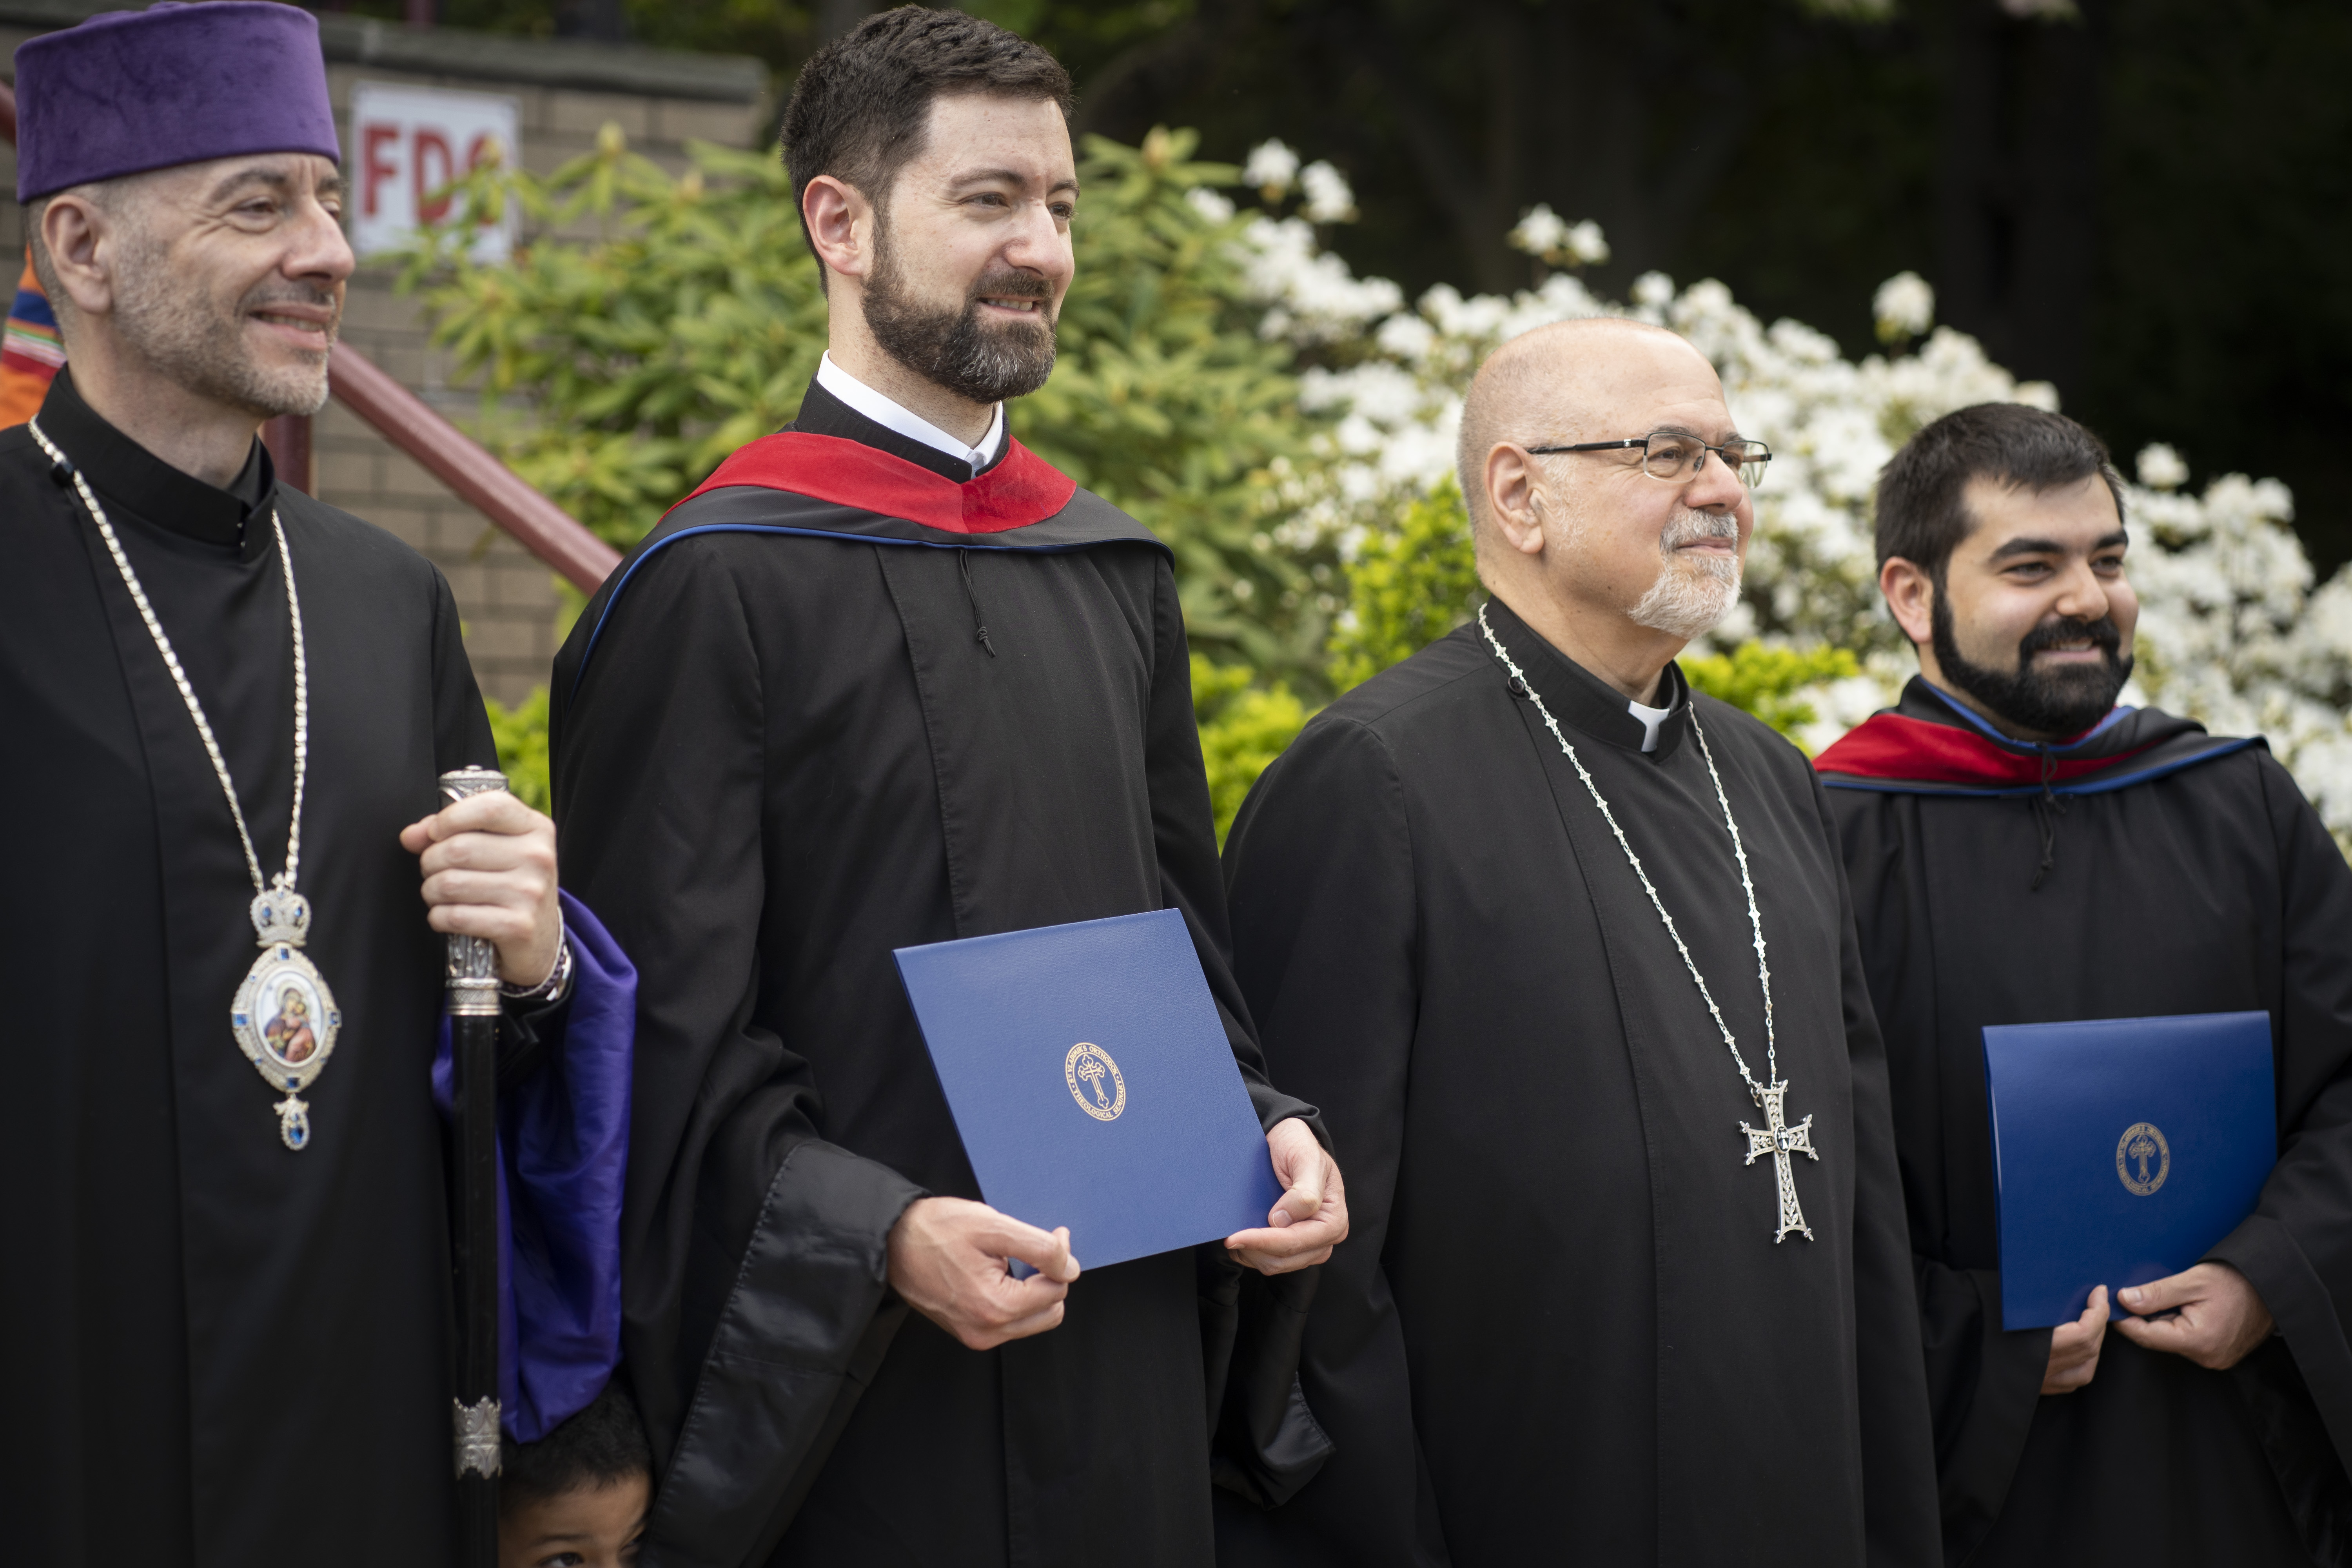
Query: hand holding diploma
[[948, 1260], [2074, 1347], [1311, 1218], [2217, 1316]]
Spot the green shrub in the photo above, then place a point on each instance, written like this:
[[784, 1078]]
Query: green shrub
[[521, 734]]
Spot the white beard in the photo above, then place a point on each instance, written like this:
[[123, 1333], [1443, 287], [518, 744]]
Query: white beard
[[1691, 592]]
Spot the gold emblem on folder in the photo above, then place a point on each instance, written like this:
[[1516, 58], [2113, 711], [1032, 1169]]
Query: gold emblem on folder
[[1084, 1070], [2143, 1159]]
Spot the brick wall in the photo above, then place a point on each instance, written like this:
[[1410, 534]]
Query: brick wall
[[567, 91]]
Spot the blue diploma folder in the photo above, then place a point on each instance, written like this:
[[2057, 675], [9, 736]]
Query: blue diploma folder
[[2123, 1149], [1094, 1086]]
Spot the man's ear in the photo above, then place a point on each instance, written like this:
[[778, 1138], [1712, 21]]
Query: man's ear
[[80, 239], [1911, 596], [1512, 501], [840, 224]]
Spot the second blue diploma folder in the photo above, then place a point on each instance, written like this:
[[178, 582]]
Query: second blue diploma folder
[[2123, 1149], [1091, 1079]]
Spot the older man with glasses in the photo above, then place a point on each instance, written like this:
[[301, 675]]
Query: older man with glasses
[[1564, 953]]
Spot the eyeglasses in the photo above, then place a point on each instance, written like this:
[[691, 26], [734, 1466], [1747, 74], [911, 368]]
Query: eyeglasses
[[1675, 459]]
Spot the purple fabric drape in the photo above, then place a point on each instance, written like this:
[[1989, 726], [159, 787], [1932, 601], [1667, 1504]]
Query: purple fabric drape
[[563, 1140]]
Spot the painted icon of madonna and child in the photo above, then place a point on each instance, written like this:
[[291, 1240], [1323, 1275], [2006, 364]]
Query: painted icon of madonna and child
[[291, 1034]]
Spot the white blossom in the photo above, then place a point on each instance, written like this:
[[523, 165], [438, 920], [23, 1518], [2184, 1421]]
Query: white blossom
[[2160, 468], [1541, 231], [1271, 168], [1308, 293], [1585, 244], [1545, 234], [1329, 199], [1905, 307], [1214, 205]]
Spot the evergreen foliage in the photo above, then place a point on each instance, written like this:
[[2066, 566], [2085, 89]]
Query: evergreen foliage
[[1244, 727], [1771, 682], [521, 732], [1407, 588]]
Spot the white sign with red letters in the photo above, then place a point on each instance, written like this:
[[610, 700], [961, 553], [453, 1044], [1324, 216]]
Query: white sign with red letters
[[407, 144]]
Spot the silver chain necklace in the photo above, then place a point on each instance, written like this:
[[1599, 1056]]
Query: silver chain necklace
[[1775, 1138], [284, 1016]]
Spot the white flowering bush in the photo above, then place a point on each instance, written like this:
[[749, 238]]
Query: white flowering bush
[[2232, 630]]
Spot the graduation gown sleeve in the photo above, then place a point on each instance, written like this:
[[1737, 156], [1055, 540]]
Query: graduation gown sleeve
[[1982, 1383], [2296, 1247], [1895, 1511], [1320, 869], [755, 1253], [1264, 1441]]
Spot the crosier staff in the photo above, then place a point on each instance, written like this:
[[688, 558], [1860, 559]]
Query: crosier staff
[[473, 986]]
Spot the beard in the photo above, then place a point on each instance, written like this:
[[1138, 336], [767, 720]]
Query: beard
[[952, 346], [2064, 700], [195, 344], [1691, 592]]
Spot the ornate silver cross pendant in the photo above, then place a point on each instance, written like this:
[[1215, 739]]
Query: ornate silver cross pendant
[[1779, 1140]]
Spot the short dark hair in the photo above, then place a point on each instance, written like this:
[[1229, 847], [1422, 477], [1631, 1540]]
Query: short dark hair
[[1923, 511], [863, 103], [602, 1445]]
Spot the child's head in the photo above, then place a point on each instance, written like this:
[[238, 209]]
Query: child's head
[[577, 1497]]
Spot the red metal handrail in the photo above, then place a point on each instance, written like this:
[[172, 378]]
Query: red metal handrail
[[451, 456], [497, 491]]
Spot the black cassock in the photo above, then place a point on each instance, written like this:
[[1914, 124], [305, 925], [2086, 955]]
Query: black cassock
[[218, 1350], [783, 748], [2184, 874], [1561, 1330]]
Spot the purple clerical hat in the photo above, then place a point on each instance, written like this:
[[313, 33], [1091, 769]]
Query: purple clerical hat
[[131, 90]]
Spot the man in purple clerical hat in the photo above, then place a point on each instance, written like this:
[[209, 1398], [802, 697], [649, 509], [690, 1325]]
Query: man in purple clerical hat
[[224, 1272]]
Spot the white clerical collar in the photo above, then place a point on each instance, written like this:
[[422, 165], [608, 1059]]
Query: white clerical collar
[[1650, 718], [892, 416]]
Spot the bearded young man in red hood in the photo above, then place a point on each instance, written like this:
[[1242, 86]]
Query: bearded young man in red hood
[[2023, 850], [890, 678]]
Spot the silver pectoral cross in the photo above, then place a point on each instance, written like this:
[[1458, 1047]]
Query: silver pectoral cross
[[1779, 1139]]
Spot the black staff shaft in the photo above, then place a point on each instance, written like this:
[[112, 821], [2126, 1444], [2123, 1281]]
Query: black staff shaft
[[473, 1037]]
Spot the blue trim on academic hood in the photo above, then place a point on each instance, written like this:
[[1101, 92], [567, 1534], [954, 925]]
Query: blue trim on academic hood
[[2115, 716], [589, 652]]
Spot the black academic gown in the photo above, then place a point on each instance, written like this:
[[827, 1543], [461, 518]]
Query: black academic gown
[[783, 748], [1561, 1330], [2185, 875], [216, 1352]]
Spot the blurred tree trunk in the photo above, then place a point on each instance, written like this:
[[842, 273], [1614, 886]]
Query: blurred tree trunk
[[2017, 187]]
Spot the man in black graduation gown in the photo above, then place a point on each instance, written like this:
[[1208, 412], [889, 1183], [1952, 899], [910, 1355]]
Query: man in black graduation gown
[[225, 1318], [1603, 1303], [2022, 851], [889, 679]]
